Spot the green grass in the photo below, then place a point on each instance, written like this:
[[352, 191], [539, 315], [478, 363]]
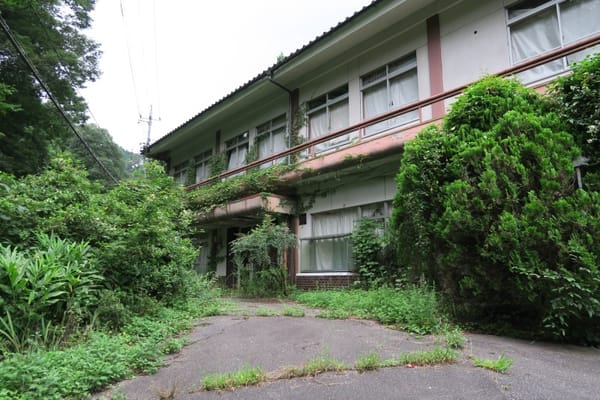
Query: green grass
[[414, 308], [501, 365], [318, 365], [368, 362], [101, 358], [295, 311], [266, 312], [229, 381], [437, 355], [455, 338]]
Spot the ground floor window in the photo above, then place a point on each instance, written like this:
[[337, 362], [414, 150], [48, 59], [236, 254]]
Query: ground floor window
[[329, 249]]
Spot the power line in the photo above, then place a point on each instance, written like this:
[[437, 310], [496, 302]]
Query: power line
[[156, 60], [38, 77], [135, 93]]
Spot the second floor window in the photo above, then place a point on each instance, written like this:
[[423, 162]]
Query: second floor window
[[181, 173], [201, 163], [236, 149], [271, 138], [538, 26], [329, 113], [388, 88]]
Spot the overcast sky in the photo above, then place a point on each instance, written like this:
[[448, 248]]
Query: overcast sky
[[187, 54]]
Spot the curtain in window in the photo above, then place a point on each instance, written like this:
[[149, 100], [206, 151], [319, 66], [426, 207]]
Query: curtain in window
[[237, 156], [264, 145], [580, 19], [318, 127], [404, 89], [202, 172], [375, 102], [339, 118], [332, 254], [533, 36], [279, 140]]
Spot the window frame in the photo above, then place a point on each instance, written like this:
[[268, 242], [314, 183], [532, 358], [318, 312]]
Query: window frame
[[234, 144], [326, 102], [202, 159], [388, 74], [180, 173], [270, 127], [538, 10]]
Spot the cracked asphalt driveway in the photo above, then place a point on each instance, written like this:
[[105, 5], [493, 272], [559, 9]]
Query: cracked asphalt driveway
[[228, 343]]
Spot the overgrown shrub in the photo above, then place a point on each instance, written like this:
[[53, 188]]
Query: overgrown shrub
[[488, 209], [138, 231], [374, 254], [258, 257], [45, 292], [577, 97]]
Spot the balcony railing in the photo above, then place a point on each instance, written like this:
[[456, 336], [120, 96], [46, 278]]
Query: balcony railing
[[416, 106], [331, 253]]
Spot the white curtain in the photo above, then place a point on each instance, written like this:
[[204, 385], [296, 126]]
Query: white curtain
[[202, 171], [533, 36], [334, 253], [375, 102], [580, 19], [404, 89], [339, 118], [319, 126], [237, 156]]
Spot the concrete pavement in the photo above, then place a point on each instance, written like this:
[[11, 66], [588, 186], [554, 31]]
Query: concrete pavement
[[228, 343]]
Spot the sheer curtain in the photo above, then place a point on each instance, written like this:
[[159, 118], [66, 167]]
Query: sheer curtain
[[318, 126], [332, 253], [339, 118], [375, 102], [404, 89], [535, 35], [580, 19]]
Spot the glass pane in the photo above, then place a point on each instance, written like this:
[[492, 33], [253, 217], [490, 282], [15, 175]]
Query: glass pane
[[317, 123], [319, 101], [524, 7], [374, 76], [579, 19], [375, 100], [404, 89], [326, 255], [535, 35], [403, 63], [335, 222]]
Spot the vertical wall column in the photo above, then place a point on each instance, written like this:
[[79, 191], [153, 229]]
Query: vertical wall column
[[434, 53]]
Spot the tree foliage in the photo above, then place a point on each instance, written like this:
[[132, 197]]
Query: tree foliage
[[107, 151], [258, 257], [577, 97], [137, 231], [488, 209], [50, 32]]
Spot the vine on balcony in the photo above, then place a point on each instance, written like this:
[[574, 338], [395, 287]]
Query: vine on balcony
[[206, 198]]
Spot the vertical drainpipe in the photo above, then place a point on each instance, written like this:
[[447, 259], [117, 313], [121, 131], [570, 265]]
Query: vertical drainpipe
[[289, 122], [293, 98]]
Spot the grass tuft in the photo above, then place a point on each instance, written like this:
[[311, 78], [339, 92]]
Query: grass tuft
[[368, 362], [293, 311], [314, 367], [245, 377], [501, 365], [435, 356], [266, 312]]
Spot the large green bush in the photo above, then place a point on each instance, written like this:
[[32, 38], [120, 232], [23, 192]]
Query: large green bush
[[577, 97], [138, 230], [487, 208]]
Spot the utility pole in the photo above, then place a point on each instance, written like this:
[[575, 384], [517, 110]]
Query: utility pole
[[149, 122]]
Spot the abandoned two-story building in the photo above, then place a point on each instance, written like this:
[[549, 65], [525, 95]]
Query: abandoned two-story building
[[343, 106]]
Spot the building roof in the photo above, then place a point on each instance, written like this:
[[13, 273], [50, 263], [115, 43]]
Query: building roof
[[269, 71]]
